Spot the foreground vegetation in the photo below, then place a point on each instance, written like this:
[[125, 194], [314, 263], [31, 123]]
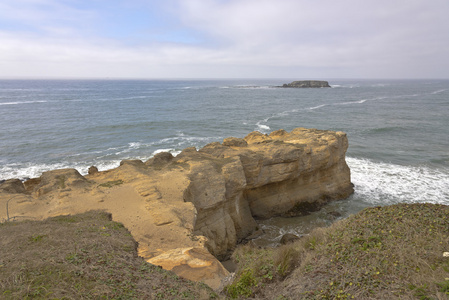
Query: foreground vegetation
[[393, 252], [86, 256]]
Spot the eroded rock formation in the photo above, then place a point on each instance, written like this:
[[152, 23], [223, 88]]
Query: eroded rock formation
[[182, 209]]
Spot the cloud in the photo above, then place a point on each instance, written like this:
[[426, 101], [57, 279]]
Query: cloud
[[225, 38], [49, 17], [339, 27]]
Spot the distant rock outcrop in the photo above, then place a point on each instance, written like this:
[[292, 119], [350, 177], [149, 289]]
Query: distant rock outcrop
[[182, 209], [307, 84]]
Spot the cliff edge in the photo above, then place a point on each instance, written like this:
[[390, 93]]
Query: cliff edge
[[188, 211]]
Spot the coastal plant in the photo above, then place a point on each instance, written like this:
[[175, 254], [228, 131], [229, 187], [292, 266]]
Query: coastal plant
[[62, 258], [37, 238], [61, 181], [111, 183], [285, 258], [244, 285], [259, 267], [391, 252]]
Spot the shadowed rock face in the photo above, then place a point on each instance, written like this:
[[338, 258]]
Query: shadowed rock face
[[12, 186], [206, 199], [307, 84]]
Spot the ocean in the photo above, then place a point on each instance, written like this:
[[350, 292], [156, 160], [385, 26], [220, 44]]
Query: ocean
[[398, 130]]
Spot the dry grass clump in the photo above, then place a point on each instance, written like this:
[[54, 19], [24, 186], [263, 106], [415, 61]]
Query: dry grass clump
[[86, 256], [258, 267], [393, 252]]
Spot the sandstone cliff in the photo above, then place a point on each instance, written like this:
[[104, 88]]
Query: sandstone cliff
[[183, 209], [307, 84]]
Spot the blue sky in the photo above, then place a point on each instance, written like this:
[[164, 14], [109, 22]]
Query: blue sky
[[224, 39]]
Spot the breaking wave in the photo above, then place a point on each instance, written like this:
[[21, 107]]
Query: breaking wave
[[382, 183]]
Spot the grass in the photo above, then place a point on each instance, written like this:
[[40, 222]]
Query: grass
[[112, 183], [258, 267], [392, 252], [86, 256]]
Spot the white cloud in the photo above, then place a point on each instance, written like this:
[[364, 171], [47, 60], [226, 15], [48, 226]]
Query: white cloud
[[235, 38]]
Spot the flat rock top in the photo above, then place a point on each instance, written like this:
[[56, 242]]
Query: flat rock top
[[307, 84]]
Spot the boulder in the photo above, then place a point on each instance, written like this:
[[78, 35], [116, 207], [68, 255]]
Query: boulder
[[92, 170], [289, 238], [195, 264], [132, 162], [234, 142], [63, 179], [160, 159]]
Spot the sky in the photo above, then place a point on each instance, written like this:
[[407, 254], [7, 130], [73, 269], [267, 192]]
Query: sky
[[224, 39]]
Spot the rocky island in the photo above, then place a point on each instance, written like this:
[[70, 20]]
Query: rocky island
[[190, 211], [307, 84]]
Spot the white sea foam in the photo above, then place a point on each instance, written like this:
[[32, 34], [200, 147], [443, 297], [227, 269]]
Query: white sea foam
[[35, 170], [131, 146], [162, 150], [174, 152], [27, 171], [383, 184], [438, 92], [134, 145], [23, 102], [316, 107], [262, 127], [170, 150]]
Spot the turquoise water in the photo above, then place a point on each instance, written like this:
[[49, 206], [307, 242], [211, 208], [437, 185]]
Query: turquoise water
[[398, 129]]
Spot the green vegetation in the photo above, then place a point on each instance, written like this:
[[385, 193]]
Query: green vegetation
[[393, 252], [111, 183], [259, 267], [61, 181], [84, 256]]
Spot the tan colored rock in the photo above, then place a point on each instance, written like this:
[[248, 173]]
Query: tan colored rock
[[196, 264], [160, 159], [31, 184], [92, 170], [12, 186], [185, 210], [256, 137], [63, 179], [234, 142]]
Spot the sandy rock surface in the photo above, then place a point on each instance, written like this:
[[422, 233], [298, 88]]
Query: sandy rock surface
[[188, 211]]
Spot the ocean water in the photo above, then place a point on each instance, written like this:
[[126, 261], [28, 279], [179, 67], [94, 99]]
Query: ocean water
[[398, 130]]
